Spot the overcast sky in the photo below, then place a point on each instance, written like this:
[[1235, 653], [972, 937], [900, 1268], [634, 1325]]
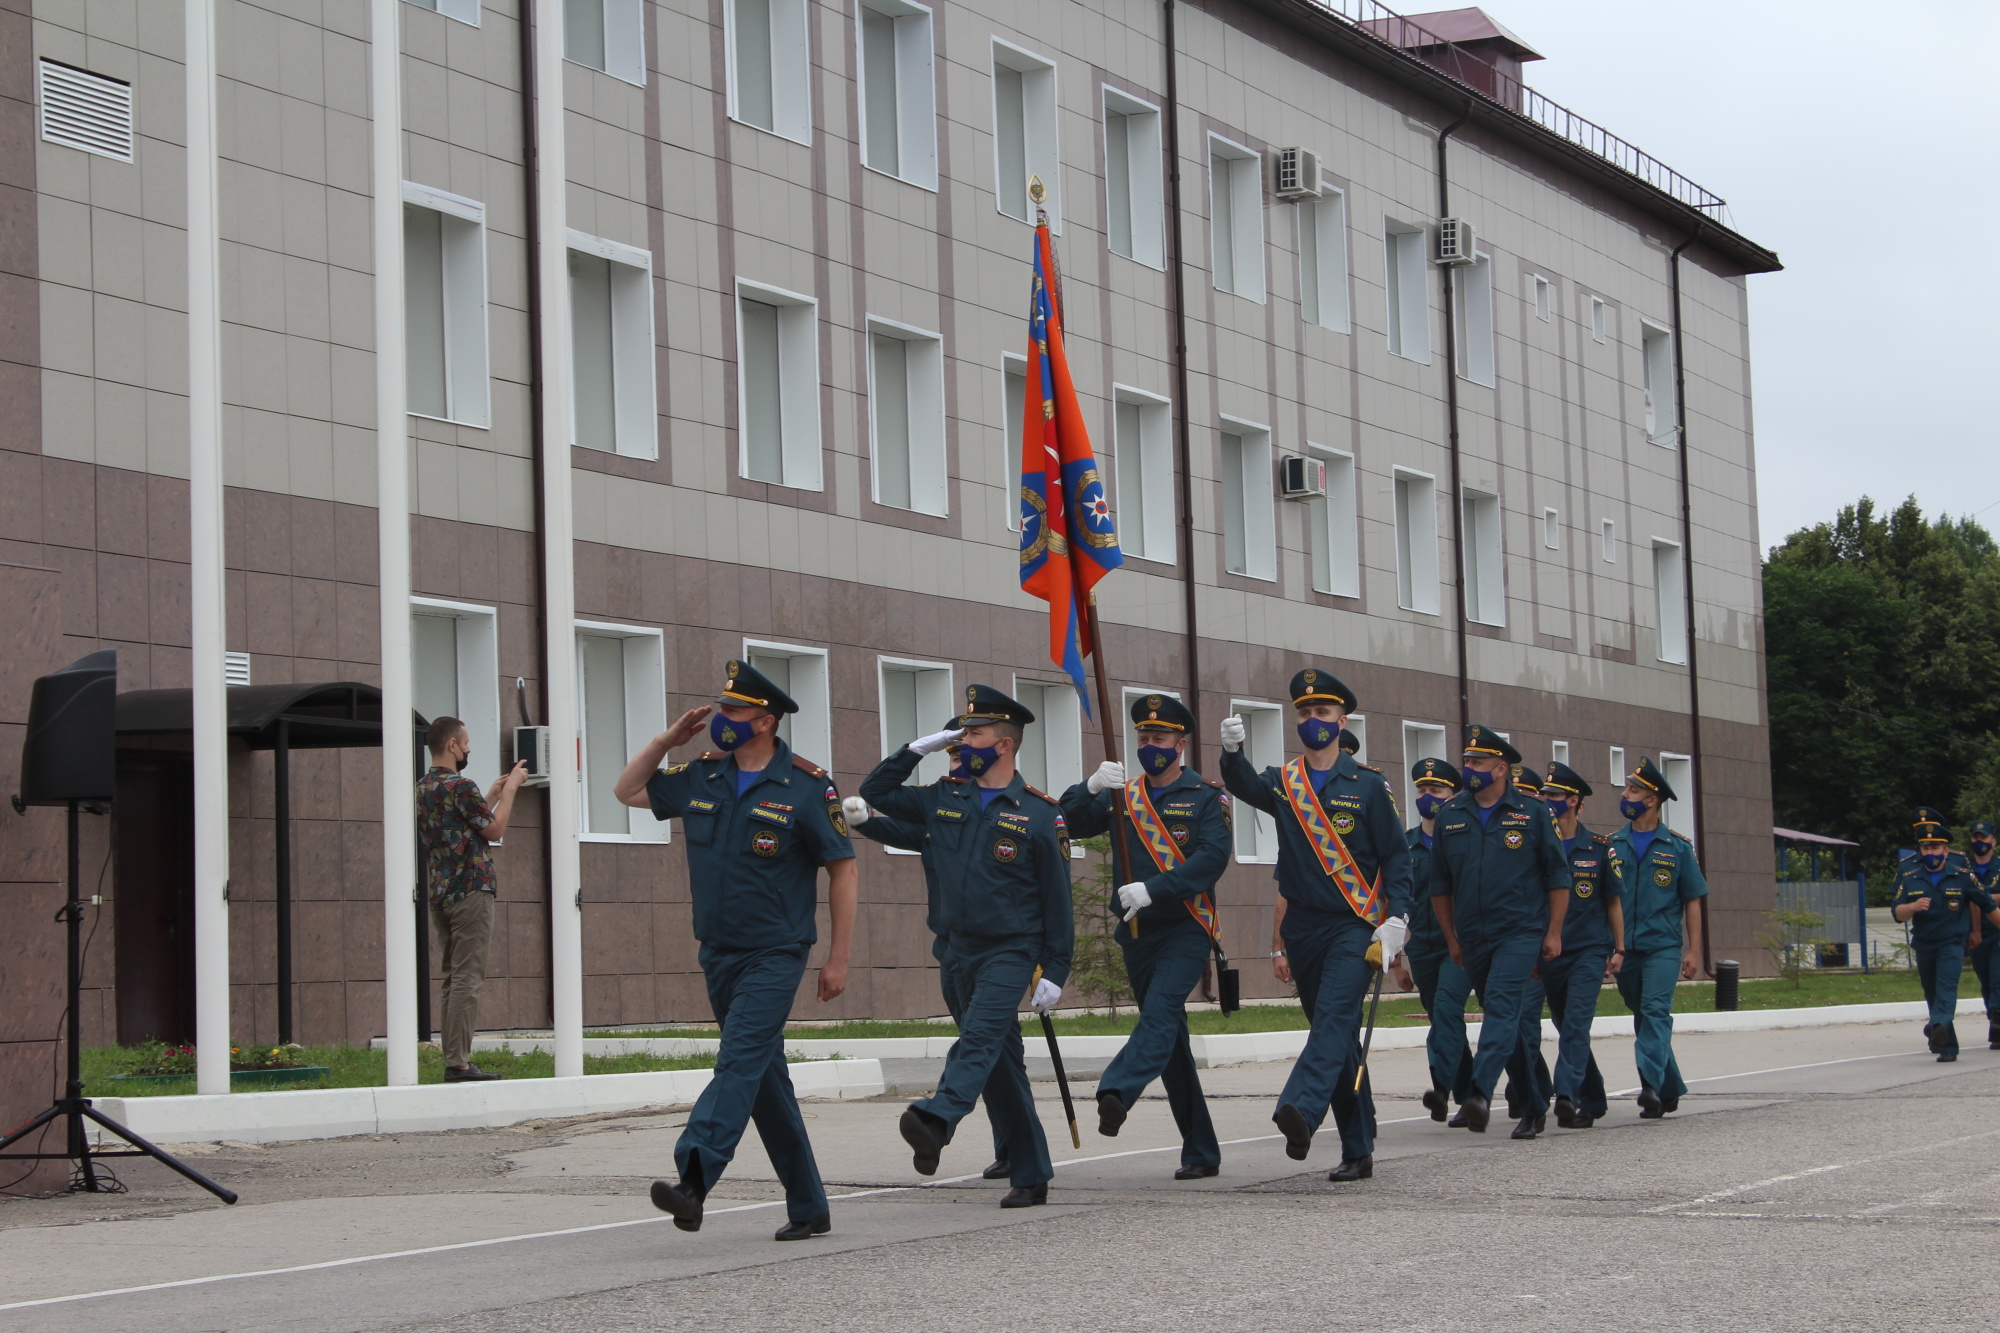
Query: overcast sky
[[1859, 142]]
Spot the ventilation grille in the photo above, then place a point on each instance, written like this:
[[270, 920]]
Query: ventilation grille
[[236, 668], [86, 111]]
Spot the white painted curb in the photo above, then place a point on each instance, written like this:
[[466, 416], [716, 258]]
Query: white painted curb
[[330, 1113]]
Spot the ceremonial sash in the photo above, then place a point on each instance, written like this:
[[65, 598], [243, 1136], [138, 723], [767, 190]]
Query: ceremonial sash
[[1166, 853], [1334, 858]]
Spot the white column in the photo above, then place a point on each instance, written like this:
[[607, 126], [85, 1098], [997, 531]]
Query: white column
[[565, 870], [392, 492], [207, 595]]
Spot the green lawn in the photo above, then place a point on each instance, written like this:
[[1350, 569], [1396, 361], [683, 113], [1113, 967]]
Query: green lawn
[[352, 1067]]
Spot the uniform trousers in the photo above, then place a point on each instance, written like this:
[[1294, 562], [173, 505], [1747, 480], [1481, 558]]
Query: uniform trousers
[[1572, 981], [1164, 965], [1442, 987], [1328, 956], [983, 984], [751, 992], [1938, 969], [1986, 966], [1502, 971], [1529, 1085], [1647, 980]]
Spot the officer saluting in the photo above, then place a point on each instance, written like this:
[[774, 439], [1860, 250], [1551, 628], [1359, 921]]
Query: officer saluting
[[1177, 844], [1440, 983], [1662, 886], [1593, 948], [1937, 893], [1343, 880], [759, 822], [1000, 853], [1499, 887]]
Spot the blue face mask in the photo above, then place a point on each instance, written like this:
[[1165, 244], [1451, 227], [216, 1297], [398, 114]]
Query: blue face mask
[[977, 759], [957, 756], [1559, 806], [1630, 808], [1981, 848], [1427, 804], [1157, 759], [1317, 733], [1933, 860], [727, 733], [1476, 780]]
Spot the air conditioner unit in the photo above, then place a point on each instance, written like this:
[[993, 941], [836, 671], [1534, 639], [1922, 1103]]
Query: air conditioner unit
[[1302, 478], [1295, 173], [1455, 242], [532, 744]]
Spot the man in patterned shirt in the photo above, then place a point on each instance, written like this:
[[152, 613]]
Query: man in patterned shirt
[[454, 827]]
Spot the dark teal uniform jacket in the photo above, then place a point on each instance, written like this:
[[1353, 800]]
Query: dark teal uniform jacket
[[1357, 802], [1196, 815], [1426, 935], [1587, 922], [1947, 920], [1498, 875], [1655, 887]]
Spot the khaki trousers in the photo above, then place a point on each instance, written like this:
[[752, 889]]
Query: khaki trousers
[[463, 930]]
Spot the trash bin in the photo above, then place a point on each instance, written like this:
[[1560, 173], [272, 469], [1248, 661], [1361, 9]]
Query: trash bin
[[1727, 971]]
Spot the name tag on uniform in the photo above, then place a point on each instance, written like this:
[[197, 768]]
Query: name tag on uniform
[[1452, 828], [778, 817], [705, 807], [1176, 809], [1348, 801], [948, 814]]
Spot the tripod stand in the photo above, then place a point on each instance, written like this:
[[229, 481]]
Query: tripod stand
[[73, 1106]]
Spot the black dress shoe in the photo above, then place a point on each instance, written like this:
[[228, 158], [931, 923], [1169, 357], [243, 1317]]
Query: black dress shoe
[[682, 1200], [1947, 1057], [1475, 1112], [1933, 1037], [1353, 1168], [1650, 1105], [999, 1170], [1669, 1105], [1993, 1034], [1565, 1113], [1197, 1171], [1026, 1196], [468, 1074], [1458, 1120], [819, 1226], [1110, 1114], [1529, 1127], [1513, 1103], [1583, 1120], [1436, 1103], [1291, 1122], [925, 1135]]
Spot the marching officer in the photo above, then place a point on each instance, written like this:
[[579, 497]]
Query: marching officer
[[1937, 893], [1499, 887], [1000, 852], [1593, 947], [1986, 943], [1426, 964], [1343, 882], [1662, 888], [760, 822], [1526, 1068], [1177, 843]]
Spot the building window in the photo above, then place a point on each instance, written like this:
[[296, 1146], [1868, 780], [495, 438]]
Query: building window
[[1142, 452], [906, 416], [916, 701], [1024, 133], [1236, 218], [1474, 314], [770, 75], [1670, 601], [898, 91], [1421, 740], [1248, 513], [1551, 530], [1619, 773], [1485, 569], [1408, 291], [1323, 260], [1416, 542], [607, 34], [1335, 527], [622, 704], [1607, 541], [611, 347], [1657, 364], [1134, 223], [465, 11], [1559, 751], [1014, 388], [1678, 770], [1263, 747], [800, 672], [1544, 299], [1357, 723], [777, 387], [455, 672], [1051, 756], [1599, 319], [444, 305]]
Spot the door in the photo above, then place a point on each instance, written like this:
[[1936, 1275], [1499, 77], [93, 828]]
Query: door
[[152, 829]]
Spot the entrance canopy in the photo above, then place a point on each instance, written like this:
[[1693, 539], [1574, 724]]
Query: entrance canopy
[[333, 715]]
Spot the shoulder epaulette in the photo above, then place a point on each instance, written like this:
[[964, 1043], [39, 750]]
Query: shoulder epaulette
[[1211, 782], [1044, 795], [710, 754], [1602, 838], [800, 761], [1371, 768]]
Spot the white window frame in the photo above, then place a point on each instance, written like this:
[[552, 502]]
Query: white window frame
[[1336, 525], [1060, 720], [1551, 529], [1421, 740], [1257, 507], [914, 91], [1656, 368], [462, 236], [1013, 367], [1041, 145], [798, 386], [635, 413], [1473, 312], [1600, 320], [1670, 602], [1679, 814], [1544, 294], [1358, 724], [1406, 290], [1607, 541], [478, 683], [1235, 247], [1485, 558], [1620, 774], [810, 730], [1323, 261], [1143, 471], [791, 70], [1264, 747], [1559, 752], [923, 415], [645, 717], [934, 699], [1417, 581], [1140, 185], [624, 40], [465, 11]]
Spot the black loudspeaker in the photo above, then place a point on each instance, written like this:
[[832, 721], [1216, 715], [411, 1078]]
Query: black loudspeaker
[[70, 752]]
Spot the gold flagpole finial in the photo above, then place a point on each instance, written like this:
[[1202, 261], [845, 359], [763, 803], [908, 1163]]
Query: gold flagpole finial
[[1039, 194]]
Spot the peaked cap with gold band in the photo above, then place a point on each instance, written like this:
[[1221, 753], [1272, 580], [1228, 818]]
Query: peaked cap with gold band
[[1482, 739], [1649, 776], [1161, 712], [747, 687], [1565, 780], [985, 704], [1349, 742], [1314, 686], [1525, 778], [1436, 770], [1929, 825]]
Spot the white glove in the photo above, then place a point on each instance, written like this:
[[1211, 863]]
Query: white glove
[[1233, 734], [856, 810], [1132, 897], [1110, 773], [934, 742], [1046, 995], [1393, 935]]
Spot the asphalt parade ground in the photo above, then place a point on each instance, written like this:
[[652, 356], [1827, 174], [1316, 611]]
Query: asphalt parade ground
[[1830, 1178]]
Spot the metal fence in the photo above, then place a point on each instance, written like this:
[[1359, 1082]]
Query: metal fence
[[1837, 903]]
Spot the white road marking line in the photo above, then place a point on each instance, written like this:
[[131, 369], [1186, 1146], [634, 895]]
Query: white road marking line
[[1780, 1069], [1818, 1171]]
